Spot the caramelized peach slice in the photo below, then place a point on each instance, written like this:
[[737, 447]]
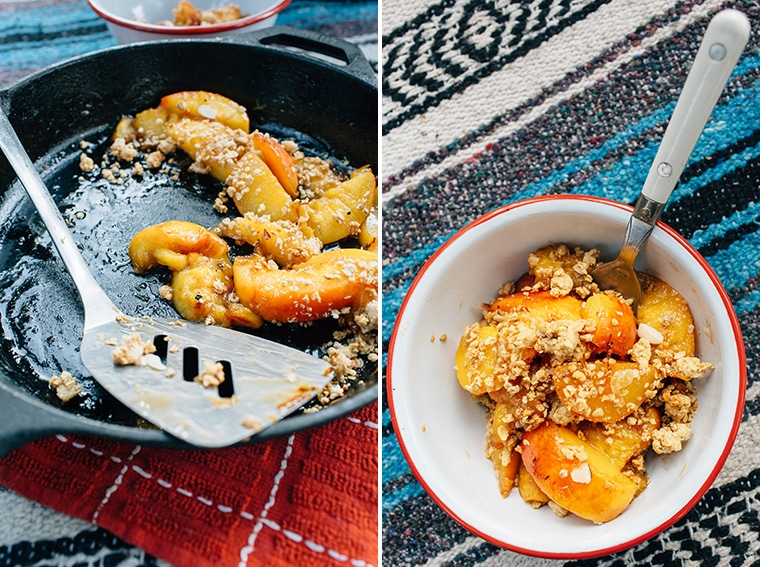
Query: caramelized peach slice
[[255, 189], [368, 231], [529, 490], [615, 323], [574, 474], [625, 439], [506, 464], [209, 106], [475, 358], [341, 210], [201, 291], [214, 147], [278, 160], [545, 263], [323, 285], [605, 390], [281, 241], [539, 306], [170, 242], [664, 309]]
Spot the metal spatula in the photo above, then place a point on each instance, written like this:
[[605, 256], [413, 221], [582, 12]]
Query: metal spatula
[[718, 53], [263, 380]]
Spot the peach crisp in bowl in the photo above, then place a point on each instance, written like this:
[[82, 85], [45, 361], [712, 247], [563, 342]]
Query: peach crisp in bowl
[[542, 413]]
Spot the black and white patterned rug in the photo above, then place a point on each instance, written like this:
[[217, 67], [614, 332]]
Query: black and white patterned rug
[[489, 102]]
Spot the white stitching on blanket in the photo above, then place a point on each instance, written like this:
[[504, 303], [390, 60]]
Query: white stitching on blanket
[[116, 483], [249, 547], [263, 521]]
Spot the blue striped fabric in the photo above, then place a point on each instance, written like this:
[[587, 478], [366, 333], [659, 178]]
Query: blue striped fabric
[[36, 34]]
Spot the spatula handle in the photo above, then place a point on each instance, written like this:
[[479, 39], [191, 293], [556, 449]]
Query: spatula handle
[[98, 307], [723, 42]]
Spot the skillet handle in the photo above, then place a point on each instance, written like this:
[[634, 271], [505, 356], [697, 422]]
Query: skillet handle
[[332, 48], [24, 419]]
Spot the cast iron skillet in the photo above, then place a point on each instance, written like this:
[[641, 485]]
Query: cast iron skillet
[[289, 88]]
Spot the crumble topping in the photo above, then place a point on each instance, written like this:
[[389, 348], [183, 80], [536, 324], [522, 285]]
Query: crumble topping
[[66, 386]]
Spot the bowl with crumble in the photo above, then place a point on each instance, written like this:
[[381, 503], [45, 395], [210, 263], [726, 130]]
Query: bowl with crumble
[[135, 21], [528, 400]]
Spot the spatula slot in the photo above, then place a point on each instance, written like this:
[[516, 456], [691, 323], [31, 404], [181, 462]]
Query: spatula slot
[[190, 363], [161, 342], [226, 389]]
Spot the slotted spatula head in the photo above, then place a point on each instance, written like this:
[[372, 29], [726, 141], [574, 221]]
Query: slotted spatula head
[[263, 381]]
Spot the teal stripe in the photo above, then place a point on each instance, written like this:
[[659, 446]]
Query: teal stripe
[[395, 466], [302, 13], [49, 20], [398, 497], [29, 57]]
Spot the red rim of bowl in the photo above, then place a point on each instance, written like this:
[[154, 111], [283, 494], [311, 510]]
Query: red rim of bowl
[[188, 30], [734, 426]]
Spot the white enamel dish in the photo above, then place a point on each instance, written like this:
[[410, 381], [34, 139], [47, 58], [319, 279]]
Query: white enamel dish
[[133, 21], [441, 430]]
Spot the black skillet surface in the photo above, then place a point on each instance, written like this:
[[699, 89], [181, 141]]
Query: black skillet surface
[[328, 104]]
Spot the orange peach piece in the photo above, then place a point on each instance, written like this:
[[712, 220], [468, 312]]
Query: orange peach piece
[[369, 229], [529, 490], [278, 160], [328, 282], [615, 323], [341, 210], [214, 147], [255, 189], [506, 463], [170, 242], [604, 390], [475, 358], [666, 310], [574, 474], [207, 105], [540, 305], [625, 439]]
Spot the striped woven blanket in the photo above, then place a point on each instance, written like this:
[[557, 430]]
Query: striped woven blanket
[[487, 103], [35, 34]]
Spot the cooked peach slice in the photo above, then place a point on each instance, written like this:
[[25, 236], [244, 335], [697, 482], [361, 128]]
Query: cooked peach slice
[[615, 323], [625, 439], [342, 209], [330, 282], [529, 490], [255, 189], [153, 120], [368, 231], [281, 241], [278, 160], [170, 242], [506, 464], [546, 263], [214, 147], [475, 358], [209, 106], [665, 310], [574, 474], [201, 291], [605, 390], [539, 306]]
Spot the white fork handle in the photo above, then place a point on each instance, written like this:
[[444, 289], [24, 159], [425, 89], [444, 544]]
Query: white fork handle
[[723, 42], [98, 307]]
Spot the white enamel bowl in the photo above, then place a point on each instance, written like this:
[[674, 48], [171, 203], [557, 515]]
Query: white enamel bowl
[[441, 430], [132, 21]]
